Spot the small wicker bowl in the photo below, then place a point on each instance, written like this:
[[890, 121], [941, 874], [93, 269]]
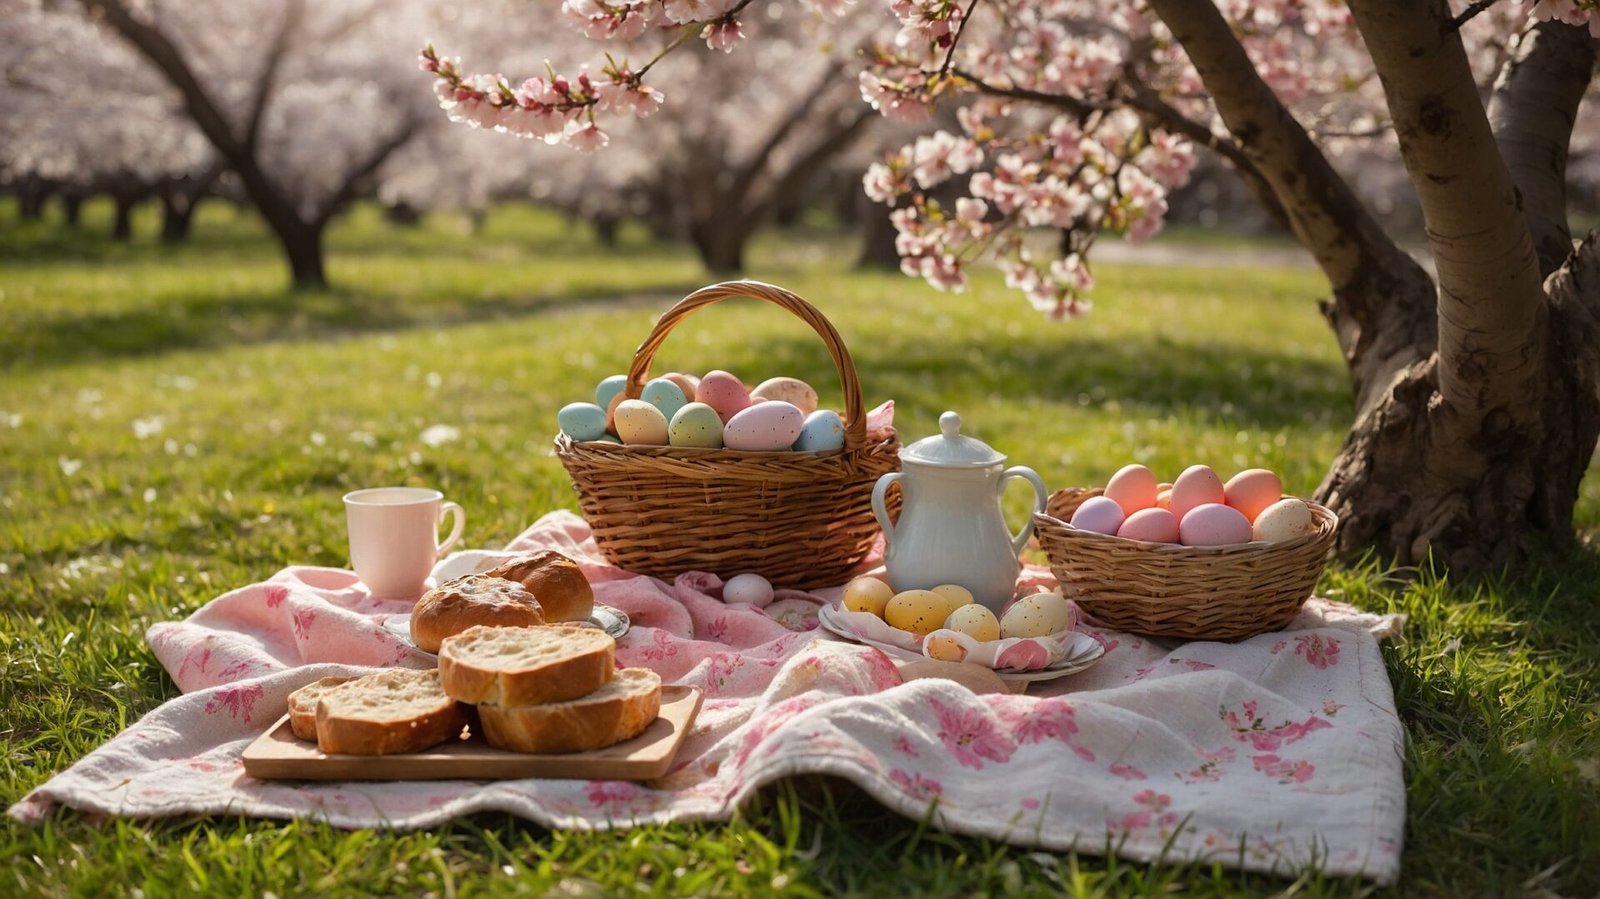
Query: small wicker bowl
[[1192, 592]]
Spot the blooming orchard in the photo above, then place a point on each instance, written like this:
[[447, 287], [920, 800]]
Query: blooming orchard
[[1068, 114]]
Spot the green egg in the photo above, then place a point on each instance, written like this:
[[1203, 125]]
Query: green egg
[[696, 425], [664, 395]]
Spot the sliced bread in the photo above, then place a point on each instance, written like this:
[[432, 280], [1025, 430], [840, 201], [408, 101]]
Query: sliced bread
[[621, 710], [394, 711], [303, 706], [525, 665]]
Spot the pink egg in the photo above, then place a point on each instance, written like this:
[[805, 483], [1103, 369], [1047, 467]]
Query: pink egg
[[1151, 526], [687, 383], [771, 426], [1197, 486], [724, 393], [1252, 490], [1133, 487], [1098, 514], [1213, 524]]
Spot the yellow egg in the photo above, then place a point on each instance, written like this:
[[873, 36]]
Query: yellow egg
[[638, 422], [955, 594], [1039, 615], [918, 611], [867, 594], [945, 648], [975, 621]]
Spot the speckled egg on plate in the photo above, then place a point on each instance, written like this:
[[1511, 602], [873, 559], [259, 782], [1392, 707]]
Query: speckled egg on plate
[[1038, 615], [771, 426], [723, 392], [944, 647], [867, 594], [976, 621], [696, 425], [640, 423], [582, 422], [822, 432], [918, 611], [793, 391]]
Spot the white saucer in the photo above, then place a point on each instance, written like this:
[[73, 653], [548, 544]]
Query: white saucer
[[1083, 653], [613, 621]]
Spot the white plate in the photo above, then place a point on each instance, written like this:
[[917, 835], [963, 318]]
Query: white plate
[[1083, 652], [613, 621]]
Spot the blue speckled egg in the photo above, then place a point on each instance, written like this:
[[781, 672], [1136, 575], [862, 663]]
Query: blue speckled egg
[[664, 395], [582, 421], [822, 432], [608, 390]]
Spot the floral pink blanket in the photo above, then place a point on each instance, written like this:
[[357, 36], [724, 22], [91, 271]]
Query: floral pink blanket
[[1270, 754]]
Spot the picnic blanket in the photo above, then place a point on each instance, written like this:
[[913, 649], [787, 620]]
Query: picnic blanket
[[1269, 754]]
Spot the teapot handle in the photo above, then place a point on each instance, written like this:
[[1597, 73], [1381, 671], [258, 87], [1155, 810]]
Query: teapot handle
[[1032, 477], [880, 491]]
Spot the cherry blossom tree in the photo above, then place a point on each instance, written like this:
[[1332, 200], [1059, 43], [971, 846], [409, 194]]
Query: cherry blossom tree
[[1477, 390]]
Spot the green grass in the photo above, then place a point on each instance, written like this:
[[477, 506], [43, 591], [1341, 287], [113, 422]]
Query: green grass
[[270, 405]]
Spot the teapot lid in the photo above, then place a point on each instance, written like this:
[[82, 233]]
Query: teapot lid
[[950, 449]]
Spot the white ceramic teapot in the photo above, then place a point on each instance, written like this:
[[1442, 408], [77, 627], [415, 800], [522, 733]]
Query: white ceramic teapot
[[951, 529]]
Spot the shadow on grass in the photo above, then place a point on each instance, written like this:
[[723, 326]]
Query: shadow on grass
[[216, 321]]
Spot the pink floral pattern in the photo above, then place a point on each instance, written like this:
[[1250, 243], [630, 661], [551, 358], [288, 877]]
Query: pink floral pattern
[[1126, 772], [1034, 721], [1248, 728], [1285, 770], [915, 784], [274, 595], [1320, 652], [1150, 811], [303, 620], [240, 701], [970, 736]]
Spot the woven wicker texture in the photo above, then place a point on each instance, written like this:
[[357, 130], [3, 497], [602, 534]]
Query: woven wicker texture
[[1194, 592], [799, 519]]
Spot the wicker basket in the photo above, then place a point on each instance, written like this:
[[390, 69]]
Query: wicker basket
[[1194, 592], [799, 519]]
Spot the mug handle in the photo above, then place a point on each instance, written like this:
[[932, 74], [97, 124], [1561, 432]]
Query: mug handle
[[880, 492], [460, 515], [1032, 477]]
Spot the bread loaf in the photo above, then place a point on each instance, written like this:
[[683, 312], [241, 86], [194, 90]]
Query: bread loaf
[[621, 710], [394, 711], [525, 665], [465, 602], [555, 580], [303, 705]]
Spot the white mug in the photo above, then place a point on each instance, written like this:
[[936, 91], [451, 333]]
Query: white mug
[[394, 537]]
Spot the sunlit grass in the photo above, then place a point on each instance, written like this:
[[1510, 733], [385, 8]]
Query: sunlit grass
[[173, 423]]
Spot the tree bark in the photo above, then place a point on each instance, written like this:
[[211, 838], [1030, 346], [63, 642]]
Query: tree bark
[[71, 209], [877, 236], [177, 214], [1476, 451], [1381, 309], [31, 194], [1534, 106], [304, 251], [720, 243]]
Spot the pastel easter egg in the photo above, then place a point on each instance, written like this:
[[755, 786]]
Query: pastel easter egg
[[611, 412], [1213, 524], [918, 611], [867, 594], [1099, 514], [771, 426], [664, 395], [696, 425], [955, 594], [640, 423], [1164, 497], [1197, 486], [751, 588], [976, 621], [793, 391], [1285, 519], [1150, 525], [822, 432], [724, 393], [944, 647], [1038, 615], [686, 383], [1133, 487], [582, 422], [608, 438], [1252, 490], [608, 390]]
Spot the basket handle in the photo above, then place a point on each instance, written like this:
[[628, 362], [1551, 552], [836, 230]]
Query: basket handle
[[855, 416]]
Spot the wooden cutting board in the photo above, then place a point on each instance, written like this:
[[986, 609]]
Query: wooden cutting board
[[279, 755]]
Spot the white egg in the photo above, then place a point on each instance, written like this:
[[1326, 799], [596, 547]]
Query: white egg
[[1285, 519], [1039, 615], [751, 588]]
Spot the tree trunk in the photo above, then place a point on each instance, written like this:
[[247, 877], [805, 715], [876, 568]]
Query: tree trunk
[[1469, 455], [31, 194], [877, 236], [122, 224], [177, 214], [71, 209], [720, 243], [303, 247], [606, 228]]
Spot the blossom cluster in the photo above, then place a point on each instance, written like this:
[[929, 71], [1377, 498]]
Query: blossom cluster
[[1572, 12]]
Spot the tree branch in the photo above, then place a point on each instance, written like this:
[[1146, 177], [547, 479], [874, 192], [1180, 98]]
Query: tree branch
[[1080, 108], [1469, 14], [1491, 305], [1532, 111], [807, 162], [1382, 306], [293, 9], [752, 168], [353, 178]]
